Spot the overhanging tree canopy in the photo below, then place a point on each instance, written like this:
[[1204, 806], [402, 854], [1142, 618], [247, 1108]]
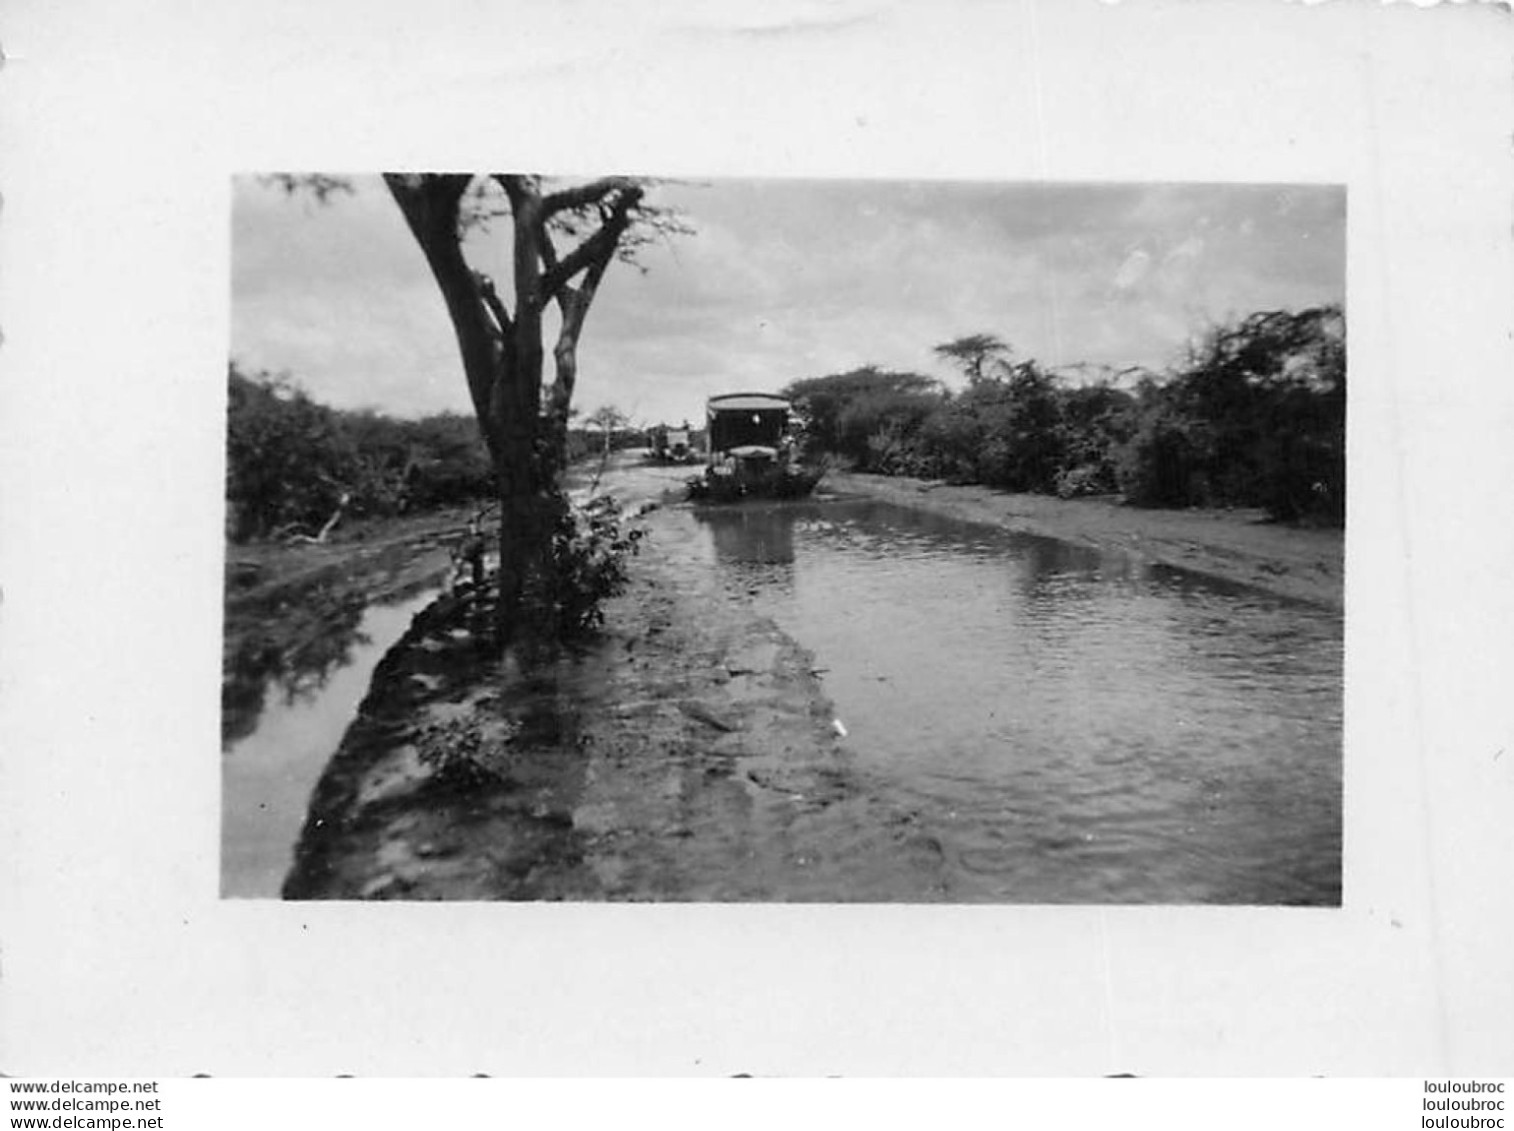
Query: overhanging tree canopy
[[562, 240], [502, 348]]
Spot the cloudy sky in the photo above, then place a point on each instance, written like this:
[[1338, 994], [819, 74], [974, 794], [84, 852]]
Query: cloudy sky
[[790, 279]]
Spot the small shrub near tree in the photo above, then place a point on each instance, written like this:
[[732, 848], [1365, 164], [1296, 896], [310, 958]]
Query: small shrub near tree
[[591, 549]]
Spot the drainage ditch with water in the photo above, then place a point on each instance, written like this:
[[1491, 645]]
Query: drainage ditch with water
[[268, 774]]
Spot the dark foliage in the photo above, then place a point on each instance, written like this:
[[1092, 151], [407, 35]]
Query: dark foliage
[[291, 461], [819, 402], [1255, 418], [591, 549]]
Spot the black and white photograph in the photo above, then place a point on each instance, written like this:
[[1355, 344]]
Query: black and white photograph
[[858, 540], [624, 538]]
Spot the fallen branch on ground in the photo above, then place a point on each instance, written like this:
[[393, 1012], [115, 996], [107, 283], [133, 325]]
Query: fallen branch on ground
[[320, 538]]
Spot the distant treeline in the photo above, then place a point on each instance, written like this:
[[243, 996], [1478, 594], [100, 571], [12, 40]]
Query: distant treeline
[[1255, 417], [290, 460]]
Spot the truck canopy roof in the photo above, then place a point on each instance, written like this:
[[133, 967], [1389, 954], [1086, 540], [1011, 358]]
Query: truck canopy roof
[[747, 402]]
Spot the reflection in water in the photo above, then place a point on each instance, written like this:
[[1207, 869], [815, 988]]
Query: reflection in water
[[260, 667], [1070, 726], [267, 774], [753, 544]]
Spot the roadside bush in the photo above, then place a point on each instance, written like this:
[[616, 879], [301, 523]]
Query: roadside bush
[[1158, 465], [879, 431], [1303, 464], [446, 463], [894, 450], [285, 457], [871, 393], [290, 460], [1096, 420], [1003, 431], [1086, 479], [591, 551], [951, 442], [460, 755], [1255, 417]]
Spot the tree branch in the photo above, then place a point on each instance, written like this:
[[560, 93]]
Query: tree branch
[[598, 248], [434, 195], [431, 205], [524, 192], [548, 251], [516, 185], [580, 196], [583, 295], [490, 298]]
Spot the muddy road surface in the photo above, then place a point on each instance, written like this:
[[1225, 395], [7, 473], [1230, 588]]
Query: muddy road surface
[[842, 700], [689, 753]]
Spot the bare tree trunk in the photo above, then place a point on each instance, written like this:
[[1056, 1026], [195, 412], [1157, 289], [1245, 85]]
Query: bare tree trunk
[[502, 363], [432, 206], [519, 533], [522, 552], [503, 355]]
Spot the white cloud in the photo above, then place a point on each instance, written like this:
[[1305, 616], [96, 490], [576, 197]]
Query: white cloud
[[1132, 270]]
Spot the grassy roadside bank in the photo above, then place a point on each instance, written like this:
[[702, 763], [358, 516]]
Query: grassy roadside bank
[[1234, 545]]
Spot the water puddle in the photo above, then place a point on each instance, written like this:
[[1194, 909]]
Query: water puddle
[[267, 773], [1069, 725]]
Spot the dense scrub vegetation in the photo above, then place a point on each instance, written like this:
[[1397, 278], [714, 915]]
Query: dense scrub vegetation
[[290, 461], [1254, 417]]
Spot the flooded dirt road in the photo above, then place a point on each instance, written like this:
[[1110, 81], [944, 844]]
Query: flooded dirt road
[[841, 700], [1068, 724]]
